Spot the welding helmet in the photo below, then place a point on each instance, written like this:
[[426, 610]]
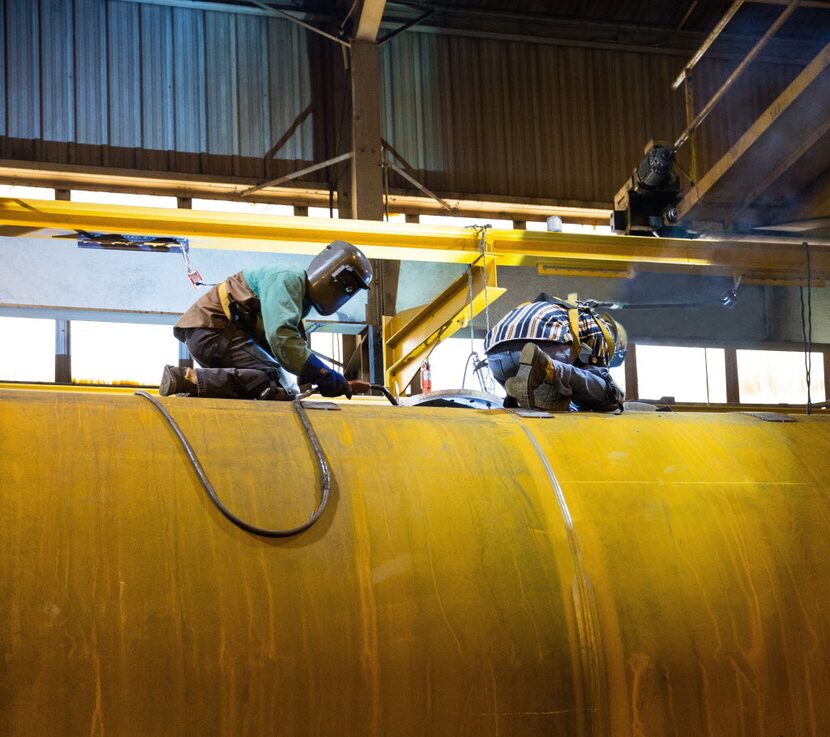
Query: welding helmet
[[335, 275], [620, 338]]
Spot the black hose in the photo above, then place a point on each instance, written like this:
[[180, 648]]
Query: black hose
[[386, 393], [325, 474]]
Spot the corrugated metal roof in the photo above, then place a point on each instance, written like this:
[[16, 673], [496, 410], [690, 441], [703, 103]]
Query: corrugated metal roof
[[90, 82], [189, 90], [121, 84], [57, 51], [749, 97], [124, 101], [808, 23], [3, 93], [23, 53], [541, 121]]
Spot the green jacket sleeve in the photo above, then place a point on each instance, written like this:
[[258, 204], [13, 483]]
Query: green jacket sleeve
[[281, 297]]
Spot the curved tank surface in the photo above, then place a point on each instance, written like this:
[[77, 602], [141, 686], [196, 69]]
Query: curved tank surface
[[475, 573]]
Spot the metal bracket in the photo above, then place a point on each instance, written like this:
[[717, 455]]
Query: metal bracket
[[534, 414], [409, 337], [330, 406], [295, 174], [387, 149], [772, 416]]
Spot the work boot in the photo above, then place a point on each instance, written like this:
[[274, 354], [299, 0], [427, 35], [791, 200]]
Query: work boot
[[176, 380], [534, 367]]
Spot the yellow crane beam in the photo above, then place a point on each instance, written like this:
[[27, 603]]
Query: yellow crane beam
[[410, 336], [771, 258]]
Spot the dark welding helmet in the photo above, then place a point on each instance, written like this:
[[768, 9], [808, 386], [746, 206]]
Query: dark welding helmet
[[620, 340], [335, 275]]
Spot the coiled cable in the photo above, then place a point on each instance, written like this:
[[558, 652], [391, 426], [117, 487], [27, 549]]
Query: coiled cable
[[325, 473]]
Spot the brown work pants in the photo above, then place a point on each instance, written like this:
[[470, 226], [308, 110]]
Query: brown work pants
[[232, 364]]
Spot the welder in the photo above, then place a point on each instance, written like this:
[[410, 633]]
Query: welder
[[554, 354], [247, 331]]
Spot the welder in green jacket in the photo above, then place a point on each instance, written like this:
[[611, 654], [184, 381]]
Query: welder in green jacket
[[247, 331]]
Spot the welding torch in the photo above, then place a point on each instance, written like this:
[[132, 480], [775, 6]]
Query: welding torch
[[358, 387]]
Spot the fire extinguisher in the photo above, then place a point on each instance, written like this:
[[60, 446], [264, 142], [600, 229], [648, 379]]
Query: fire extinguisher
[[426, 378]]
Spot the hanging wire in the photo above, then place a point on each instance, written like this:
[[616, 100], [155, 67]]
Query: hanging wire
[[193, 274], [472, 332], [479, 364], [807, 326], [481, 232], [470, 300], [385, 166]]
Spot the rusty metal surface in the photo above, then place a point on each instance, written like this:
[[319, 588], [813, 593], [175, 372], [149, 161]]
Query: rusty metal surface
[[483, 574]]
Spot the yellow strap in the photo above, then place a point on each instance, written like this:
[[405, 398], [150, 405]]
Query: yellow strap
[[573, 323], [606, 333], [224, 300]]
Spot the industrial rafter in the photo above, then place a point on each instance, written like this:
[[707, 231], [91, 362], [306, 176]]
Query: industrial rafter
[[367, 21], [789, 143]]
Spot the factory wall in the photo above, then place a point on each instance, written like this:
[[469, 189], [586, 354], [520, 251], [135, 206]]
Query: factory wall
[[119, 84], [55, 275]]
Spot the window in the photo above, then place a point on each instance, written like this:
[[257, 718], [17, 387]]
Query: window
[[687, 374], [28, 349], [323, 212], [121, 353], [778, 377], [451, 367], [254, 208], [329, 345], [462, 222], [34, 193], [121, 198], [618, 375]]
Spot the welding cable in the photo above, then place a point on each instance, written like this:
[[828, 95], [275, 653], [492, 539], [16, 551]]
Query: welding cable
[[386, 393], [325, 473]]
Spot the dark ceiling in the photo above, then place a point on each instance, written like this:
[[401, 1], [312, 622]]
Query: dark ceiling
[[811, 21]]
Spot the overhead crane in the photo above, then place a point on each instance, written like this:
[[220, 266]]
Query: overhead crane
[[408, 336]]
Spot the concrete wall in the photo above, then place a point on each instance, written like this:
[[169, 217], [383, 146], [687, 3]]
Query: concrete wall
[[55, 275]]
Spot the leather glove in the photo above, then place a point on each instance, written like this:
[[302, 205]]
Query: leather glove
[[329, 382]]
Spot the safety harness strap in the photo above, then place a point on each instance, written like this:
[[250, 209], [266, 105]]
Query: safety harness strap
[[573, 323], [224, 299], [606, 333], [573, 309]]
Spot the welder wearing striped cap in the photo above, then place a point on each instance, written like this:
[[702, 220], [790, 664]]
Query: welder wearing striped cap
[[552, 354]]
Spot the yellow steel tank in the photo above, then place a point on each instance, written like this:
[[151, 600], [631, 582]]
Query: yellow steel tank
[[475, 573]]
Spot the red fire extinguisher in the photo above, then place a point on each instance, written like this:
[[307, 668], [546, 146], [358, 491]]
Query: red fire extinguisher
[[426, 378]]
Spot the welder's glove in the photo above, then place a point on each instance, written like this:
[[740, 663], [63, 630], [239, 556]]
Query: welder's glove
[[329, 382]]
